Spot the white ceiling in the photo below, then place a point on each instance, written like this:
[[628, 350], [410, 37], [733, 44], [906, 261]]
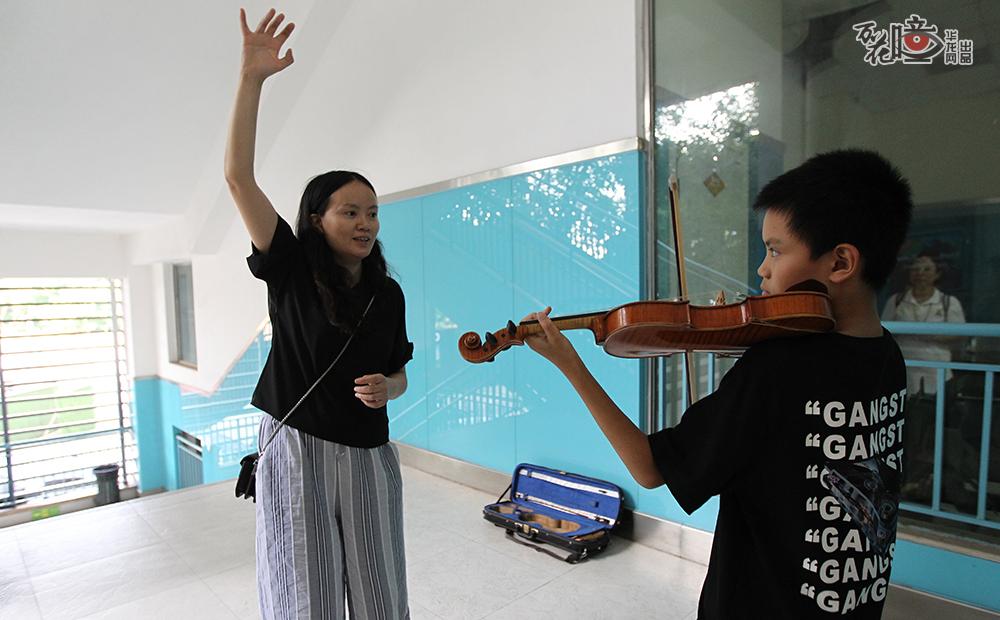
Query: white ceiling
[[113, 113]]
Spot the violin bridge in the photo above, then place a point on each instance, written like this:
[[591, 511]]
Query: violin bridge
[[720, 298]]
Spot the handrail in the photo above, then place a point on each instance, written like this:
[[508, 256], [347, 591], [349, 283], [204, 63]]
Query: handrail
[[989, 370], [943, 329]]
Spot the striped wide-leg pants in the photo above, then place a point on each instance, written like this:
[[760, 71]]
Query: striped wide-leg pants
[[329, 529]]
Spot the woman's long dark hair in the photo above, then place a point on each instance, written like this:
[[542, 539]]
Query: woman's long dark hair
[[343, 305]]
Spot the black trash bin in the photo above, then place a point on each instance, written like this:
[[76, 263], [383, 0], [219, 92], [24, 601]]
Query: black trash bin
[[107, 484]]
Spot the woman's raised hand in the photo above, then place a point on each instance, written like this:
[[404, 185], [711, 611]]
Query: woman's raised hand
[[261, 46]]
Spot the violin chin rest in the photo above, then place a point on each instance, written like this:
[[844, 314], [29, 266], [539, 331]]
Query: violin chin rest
[[809, 286]]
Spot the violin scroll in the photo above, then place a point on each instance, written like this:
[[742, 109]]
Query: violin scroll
[[476, 350]]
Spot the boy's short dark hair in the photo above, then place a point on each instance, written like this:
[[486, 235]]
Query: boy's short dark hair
[[845, 196]]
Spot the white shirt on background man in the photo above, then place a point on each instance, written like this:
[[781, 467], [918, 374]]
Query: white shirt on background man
[[938, 308]]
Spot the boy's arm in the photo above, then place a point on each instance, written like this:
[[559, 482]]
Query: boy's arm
[[629, 442]]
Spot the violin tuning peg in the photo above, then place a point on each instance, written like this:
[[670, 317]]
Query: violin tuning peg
[[491, 339], [511, 329]]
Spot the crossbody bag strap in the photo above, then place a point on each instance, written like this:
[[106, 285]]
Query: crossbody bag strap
[[309, 391]]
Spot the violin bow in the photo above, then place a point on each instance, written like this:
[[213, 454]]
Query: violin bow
[[675, 216]]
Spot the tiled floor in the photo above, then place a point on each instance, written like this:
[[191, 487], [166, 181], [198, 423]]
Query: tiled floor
[[189, 555]]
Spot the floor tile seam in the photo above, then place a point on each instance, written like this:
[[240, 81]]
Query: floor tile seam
[[20, 554], [150, 526], [20, 533], [183, 558], [523, 596], [525, 565], [425, 610], [132, 601], [23, 578], [199, 529], [208, 575], [219, 596], [477, 543], [92, 512], [27, 580], [200, 489], [92, 561], [128, 600], [511, 555], [424, 605], [184, 506], [433, 555], [132, 538], [173, 503], [463, 537]]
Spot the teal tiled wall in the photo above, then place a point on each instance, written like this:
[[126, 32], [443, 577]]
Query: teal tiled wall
[[469, 259], [224, 421]]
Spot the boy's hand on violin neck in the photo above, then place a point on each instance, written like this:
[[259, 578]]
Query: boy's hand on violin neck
[[551, 343], [262, 45]]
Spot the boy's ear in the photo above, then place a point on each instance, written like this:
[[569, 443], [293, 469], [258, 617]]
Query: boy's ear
[[846, 263]]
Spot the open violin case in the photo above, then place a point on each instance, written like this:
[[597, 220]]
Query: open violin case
[[570, 512]]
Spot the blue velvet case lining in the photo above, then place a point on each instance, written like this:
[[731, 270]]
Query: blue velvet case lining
[[606, 506]]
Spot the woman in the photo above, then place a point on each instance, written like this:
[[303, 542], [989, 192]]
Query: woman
[[329, 492]]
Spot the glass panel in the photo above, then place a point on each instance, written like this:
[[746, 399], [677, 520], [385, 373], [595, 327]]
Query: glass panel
[[744, 91]]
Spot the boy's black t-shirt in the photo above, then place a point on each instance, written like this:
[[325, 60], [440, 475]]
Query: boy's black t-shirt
[[803, 443], [304, 343]]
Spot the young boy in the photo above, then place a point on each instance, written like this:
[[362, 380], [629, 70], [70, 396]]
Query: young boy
[[803, 439]]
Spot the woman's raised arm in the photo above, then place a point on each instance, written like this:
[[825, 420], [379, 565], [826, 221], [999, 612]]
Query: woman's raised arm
[[260, 61]]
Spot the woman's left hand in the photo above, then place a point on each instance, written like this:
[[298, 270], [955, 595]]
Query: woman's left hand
[[372, 390]]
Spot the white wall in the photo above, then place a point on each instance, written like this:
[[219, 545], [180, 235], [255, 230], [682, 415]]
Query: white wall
[[409, 94], [142, 320], [230, 306], [53, 253]]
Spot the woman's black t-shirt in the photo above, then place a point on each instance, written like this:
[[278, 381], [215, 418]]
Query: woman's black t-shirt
[[304, 343]]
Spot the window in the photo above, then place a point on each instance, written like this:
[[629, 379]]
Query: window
[[64, 388], [180, 301]]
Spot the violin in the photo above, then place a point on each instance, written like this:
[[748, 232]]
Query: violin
[[664, 327]]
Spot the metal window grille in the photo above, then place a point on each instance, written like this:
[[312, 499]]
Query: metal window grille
[[65, 391]]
